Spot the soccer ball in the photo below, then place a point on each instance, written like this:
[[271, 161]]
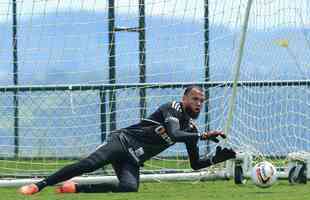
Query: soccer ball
[[264, 174]]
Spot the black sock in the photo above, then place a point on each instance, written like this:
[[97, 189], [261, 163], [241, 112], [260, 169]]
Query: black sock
[[97, 188], [42, 184], [107, 187]]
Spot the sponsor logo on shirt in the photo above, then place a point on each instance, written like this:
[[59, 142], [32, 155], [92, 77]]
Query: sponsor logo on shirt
[[161, 131]]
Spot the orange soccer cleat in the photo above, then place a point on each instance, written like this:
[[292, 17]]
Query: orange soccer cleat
[[29, 189], [67, 187]]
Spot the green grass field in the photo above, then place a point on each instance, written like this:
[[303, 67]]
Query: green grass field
[[217, 190], [209, 190]]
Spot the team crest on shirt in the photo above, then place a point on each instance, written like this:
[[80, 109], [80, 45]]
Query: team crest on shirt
[[193, 125]]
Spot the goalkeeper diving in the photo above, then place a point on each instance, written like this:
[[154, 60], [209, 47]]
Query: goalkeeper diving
[[128, 148]]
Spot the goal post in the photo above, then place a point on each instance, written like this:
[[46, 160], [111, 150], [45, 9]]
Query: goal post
[[237, 68], [71, 72]]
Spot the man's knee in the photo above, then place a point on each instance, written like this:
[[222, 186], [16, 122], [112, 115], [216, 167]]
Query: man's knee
[[128, 187]]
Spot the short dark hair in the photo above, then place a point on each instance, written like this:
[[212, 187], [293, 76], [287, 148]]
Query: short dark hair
[[188, 89]]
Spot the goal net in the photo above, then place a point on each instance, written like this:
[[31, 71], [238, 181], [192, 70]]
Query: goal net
[[72, 71]]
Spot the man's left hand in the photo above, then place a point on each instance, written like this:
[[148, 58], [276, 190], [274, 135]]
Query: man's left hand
[[223, 154]]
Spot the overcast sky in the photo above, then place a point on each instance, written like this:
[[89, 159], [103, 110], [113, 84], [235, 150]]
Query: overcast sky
[[264, 13]]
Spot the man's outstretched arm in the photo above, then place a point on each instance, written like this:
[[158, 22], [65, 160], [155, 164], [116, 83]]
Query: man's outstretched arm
[[191, 139], [173, 129], [221, 154], [177, 135]]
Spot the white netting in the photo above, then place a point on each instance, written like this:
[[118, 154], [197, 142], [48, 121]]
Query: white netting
[[63, 43]]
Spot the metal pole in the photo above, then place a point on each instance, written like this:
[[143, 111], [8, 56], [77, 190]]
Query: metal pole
[[112, 95], [142, 55], [15, 78], [103, 111], [206, 66]]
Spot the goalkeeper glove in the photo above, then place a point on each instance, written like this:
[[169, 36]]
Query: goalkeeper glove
[[212, 135], [223, 155]]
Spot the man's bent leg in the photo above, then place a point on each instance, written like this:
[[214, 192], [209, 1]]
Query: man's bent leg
[[128, 175]]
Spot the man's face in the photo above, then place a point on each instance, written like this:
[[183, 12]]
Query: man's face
[[193, 102]]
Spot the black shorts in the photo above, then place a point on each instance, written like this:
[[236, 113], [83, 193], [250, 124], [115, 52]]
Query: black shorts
[[119, 147]]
